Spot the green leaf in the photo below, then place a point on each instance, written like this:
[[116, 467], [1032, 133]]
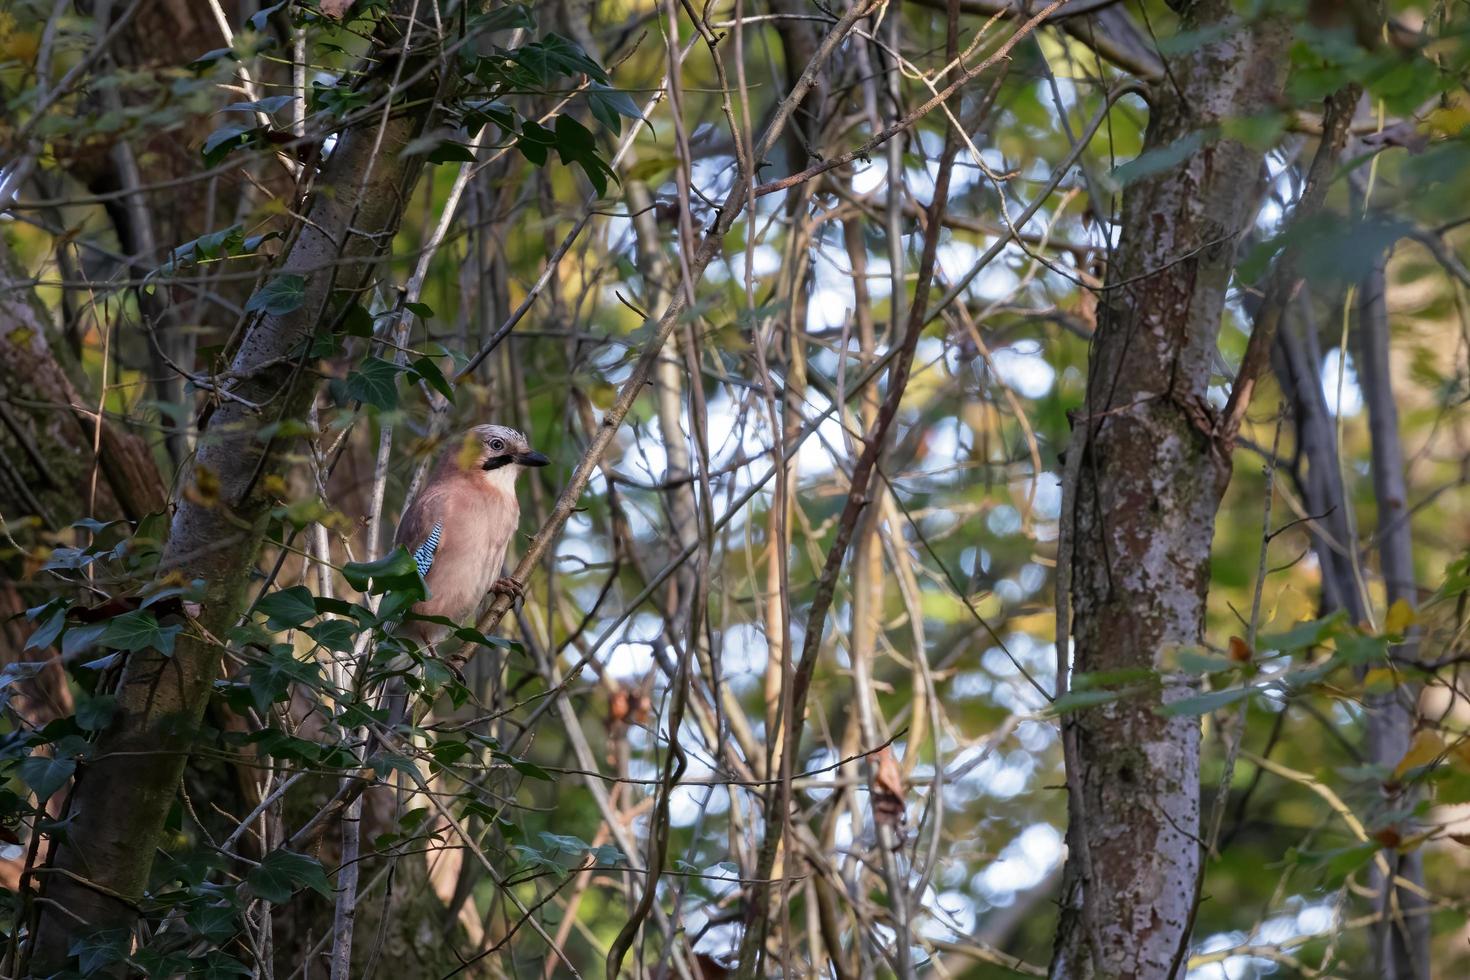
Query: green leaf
[[281, 872], [270, 104], [336, 635], [1198, 662], [1203, 704], [394, 571], [375, 382], [225, 140], [95, 713], [608, 106], [287, 608], [1076, 700], [217, 922], [1156, 161], [219, 966], [209, 58], [139, 630], [100, 949], [576, 144], [52, 618], [535, 141], [358, 322], [511, 15], [424, 369], [45, 774], [555, 57], [1303, 635], [449, 151], [282, 294]]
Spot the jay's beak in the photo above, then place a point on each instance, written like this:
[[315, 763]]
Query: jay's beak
[[532, 458]]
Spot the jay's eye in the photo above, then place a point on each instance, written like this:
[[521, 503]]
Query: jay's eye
[[497, 445]]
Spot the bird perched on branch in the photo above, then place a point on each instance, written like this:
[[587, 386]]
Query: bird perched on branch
[[459, 525]]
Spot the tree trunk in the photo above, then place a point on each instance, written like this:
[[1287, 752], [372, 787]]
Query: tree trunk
[[1151, 478], [122, 799], [1401, 939]]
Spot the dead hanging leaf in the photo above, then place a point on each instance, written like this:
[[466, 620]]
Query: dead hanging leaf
[[1424, 749], [1240, 651], [618, 706], [1400, 617], [888, 789], [1388, 837], [336, 8], [203, 491]]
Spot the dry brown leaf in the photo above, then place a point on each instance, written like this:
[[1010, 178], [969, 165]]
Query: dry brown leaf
[[888, 789]]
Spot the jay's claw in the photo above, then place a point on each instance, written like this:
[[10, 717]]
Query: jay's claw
[[508, 586]]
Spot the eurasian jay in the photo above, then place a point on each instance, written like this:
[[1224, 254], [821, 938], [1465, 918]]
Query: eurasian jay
[[458, 526]]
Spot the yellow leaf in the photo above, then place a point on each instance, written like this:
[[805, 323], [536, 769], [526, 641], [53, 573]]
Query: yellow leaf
[[1380, 680], [1400, 617], [20, 336], [1425, 748]]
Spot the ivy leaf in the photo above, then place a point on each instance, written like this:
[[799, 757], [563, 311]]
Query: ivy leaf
[[1303, 635], [287, 608], [95, 713], [1203, 704], [394, 571], [608, 106], [45, 774], [1156, 161], [358, 322], [575, 144], [223, 141], [534, 142], [217, 922], [502, 18], [270, 104], [449, 151], [375, 382], [281, 872], [258, 19], [554, 56], [208, 59], [139, 630], [336, 635], [96, 950], [424, 369], [281, 295], [52, 617]]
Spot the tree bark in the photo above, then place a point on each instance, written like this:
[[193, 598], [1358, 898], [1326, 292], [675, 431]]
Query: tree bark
[[1151, 477], [1401, 938], [122, 798]]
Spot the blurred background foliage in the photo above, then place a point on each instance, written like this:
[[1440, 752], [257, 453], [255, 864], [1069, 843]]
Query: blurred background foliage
[[968, 545]]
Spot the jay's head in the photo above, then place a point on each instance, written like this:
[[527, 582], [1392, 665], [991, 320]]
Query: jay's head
[[498, 452]]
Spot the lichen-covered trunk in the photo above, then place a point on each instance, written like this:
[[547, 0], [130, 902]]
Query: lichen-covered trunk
[[1150, 481], [123, 797]]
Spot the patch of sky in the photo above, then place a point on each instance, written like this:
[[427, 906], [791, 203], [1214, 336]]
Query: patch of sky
[[970, 556], [1048, 502], [1339, 374], [743, 656], [1023, 863], [630, 649], [1023, 367], [1003, 520]]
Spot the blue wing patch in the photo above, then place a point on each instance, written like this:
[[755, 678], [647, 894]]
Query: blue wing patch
[[424, 556]]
